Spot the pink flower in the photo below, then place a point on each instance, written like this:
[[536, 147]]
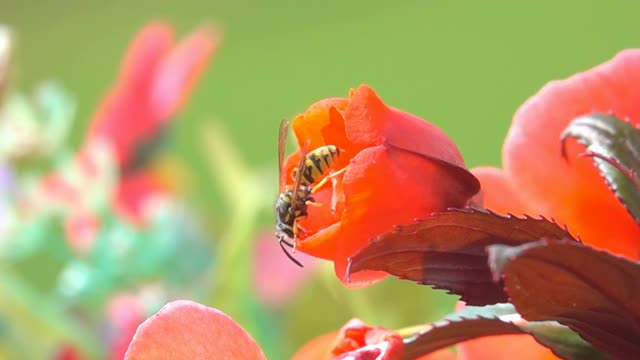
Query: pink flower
[[184, 330]]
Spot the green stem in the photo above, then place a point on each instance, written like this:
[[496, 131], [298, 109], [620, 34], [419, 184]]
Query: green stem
[[410, 331]]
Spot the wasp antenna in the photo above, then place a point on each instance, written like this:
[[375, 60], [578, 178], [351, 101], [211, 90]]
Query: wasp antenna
[[282, 243]]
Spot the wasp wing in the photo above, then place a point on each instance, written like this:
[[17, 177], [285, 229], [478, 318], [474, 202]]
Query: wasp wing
[[298, 179], [282, 144]]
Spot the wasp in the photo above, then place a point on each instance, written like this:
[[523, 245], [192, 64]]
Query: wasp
[[292, 202]]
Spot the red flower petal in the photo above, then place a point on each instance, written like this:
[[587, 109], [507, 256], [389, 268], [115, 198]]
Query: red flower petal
[[318, 348], [184, 330], [153, 84], [444, 354], [177, 74], [359, 341], [370, 122], [505, 347], [145, 52], [497, 193], [572, 192], [135, 191], [126, 104], [317, 126]]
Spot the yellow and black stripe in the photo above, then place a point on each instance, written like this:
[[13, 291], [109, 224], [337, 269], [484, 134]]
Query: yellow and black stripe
[[317, 163]]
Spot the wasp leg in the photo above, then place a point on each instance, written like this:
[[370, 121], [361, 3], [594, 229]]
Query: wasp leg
[[302, 230], [281, 240], [297, 227], [284, 242], [312, 203], [327, 178]]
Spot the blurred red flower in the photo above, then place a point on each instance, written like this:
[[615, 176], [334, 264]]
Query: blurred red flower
[[276, 282], [382, 185], [155, 79], [537, 180], [125, 313]]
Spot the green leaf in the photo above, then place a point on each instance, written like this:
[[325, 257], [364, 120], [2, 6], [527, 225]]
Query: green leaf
[[614, 146], [447, 250], [474, 322], [592, 292]]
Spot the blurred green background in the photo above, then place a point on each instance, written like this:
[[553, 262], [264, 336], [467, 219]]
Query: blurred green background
[[465, 66]]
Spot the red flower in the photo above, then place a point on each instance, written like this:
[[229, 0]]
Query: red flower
[[155, 79], [356, 340], [383, 184], [184, 330], [537, 180]]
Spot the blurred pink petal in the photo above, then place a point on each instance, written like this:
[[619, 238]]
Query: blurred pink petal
[[135, 191], [125, 314], [177, 74], [123, 118], [67, 352], [153, 83], [81, 229], [276, 278], [185, 330]]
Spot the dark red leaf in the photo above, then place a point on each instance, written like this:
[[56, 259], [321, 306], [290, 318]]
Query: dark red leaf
[[592, 292], [447, 251], [475, 322], [614, 145]]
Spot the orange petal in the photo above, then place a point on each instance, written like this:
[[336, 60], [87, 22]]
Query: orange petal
[[177, 74], [367, 117], [185, 330], [572, 192], [384, 188], [497, 193], [444, 354], [504, 347], [323, 243], [369, 121], [317, 126], [317, 349]]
